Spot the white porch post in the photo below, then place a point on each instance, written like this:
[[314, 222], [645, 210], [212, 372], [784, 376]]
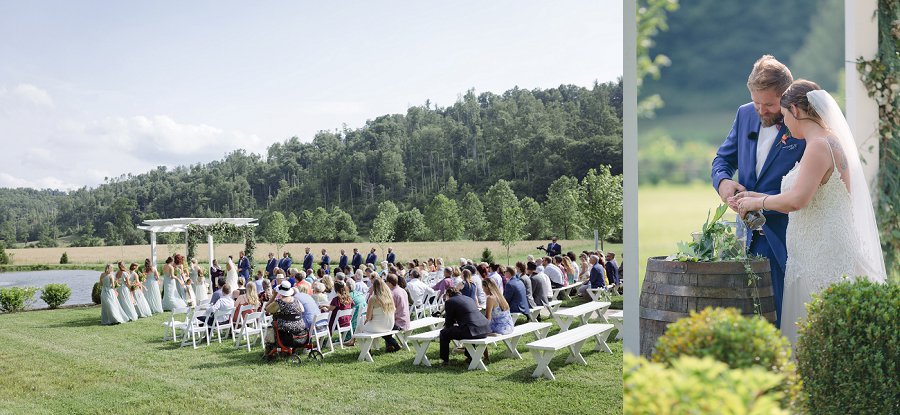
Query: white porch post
[[153, 248], [212, 252], [186, 241], [861, 40]]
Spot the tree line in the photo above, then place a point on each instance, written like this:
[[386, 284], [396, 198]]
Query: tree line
[[332, 187]]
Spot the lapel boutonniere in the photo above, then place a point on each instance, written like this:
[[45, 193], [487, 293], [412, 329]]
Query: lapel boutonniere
[[784, 138]]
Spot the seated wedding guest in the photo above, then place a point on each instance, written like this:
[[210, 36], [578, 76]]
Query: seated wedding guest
[[287, 313], [551, 269], [258, 280], [310, 307], [342, 301], [497, 310], [380, 313], [585, 268], [598, 274], [328, 282], [540, 285], [443, 284], [526, 281], [467, 287], [360, 285], [495, 275], [304, 286], [515, 293], [574, 260], [384, 269], [241, 290], [250, 298], [360, 304], [266, 294], [293, 276], [418, 290], [568, 268], [218, 293], [224, 302], [401, 309], [462, 321], [319, 293]]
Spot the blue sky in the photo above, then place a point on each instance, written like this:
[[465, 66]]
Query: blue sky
[[94, 89]]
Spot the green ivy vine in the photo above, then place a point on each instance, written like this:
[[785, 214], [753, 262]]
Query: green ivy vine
[[881, 76], [222, 231]]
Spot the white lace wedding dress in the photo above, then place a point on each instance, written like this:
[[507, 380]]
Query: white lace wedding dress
[[821, 247]]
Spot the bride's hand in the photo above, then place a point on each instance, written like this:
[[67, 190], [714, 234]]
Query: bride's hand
[[748, 204]]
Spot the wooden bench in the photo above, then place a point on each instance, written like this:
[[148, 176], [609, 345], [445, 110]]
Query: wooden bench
[[365, 343], [544, 349], [616, 317], [433, 322], [476, 347], [565, 317], [420, 342], [565, 291]]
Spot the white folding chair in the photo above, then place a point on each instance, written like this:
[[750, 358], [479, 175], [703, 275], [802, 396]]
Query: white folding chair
[[320, 330], [197, 329], [337, 329], [178, 320], [240, 321], [253, 324], [222, 321]]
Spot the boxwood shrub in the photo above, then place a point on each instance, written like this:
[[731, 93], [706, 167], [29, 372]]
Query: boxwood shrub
[[848, 351], [13, 299], [56, 295]]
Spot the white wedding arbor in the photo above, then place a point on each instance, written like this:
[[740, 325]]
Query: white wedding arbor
[[180, 225]]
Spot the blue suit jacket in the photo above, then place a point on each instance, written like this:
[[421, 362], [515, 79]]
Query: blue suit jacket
[[514, 293], [357, 260], [244, 265], [270, 266], [739, 152], [371, 258], [307, 262], [596, 280], [391, 257], [342, 262], [285, 263]]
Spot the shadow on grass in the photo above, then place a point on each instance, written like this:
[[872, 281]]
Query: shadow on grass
[[81, 322]]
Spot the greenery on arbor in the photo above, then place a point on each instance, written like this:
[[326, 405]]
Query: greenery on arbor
[[329, 186], [880, 76]]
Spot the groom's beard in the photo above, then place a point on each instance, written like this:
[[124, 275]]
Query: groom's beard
[[770, 120]]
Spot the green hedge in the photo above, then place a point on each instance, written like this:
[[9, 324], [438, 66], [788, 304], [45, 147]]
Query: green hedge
[[848, 351], [740, 342], [56, 295], [691, 385], [13, 299]]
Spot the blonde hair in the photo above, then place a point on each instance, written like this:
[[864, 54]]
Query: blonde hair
[[252, 297], [567, 265], [494, 290], [768, 73], [381, 295]]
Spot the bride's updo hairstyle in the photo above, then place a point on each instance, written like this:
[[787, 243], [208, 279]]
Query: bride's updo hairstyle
[[795, 96]]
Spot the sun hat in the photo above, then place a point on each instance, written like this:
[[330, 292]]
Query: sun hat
[[285, 289]]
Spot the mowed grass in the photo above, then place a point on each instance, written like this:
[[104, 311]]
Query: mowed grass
[[63, 361], [449, 251], [668, 214]]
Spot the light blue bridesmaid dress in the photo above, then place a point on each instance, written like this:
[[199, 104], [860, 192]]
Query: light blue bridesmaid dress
[[125, 299], [110, 310]]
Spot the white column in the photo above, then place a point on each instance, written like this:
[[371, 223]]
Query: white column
[[861, 40], [631, 326], [186, 238], [212, 252], [153, 248]]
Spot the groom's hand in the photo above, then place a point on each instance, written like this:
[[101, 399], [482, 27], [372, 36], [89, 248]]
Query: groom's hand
[[728, 188]]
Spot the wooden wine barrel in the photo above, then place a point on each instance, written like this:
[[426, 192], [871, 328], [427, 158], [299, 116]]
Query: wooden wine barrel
[[673, 289]]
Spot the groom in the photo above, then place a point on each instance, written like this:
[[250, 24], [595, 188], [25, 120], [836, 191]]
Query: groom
[[759, 146]]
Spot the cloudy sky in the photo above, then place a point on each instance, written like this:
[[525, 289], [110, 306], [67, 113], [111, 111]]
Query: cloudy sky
[[95, 89]]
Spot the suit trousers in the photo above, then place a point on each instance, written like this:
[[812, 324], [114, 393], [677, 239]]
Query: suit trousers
[[454, 333], [760, 246]]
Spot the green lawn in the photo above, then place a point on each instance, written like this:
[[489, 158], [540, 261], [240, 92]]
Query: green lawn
[[669, 214], [63, 361]]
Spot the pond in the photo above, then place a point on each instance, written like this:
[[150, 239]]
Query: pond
[[80, 281]]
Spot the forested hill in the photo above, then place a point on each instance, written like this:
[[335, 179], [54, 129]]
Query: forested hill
[[528, 137]]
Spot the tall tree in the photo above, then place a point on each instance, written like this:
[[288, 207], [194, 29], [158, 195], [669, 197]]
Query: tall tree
[[535, 222], [601, 202], [561, 207], [275, 229], [382, 231], [474, 220], [410, 226], [442, 216], [512, 223], [499, 196]]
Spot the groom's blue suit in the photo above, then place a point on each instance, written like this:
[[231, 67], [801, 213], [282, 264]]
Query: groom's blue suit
[[739, 152]]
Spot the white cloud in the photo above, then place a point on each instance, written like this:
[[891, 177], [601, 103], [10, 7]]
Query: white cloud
[[33, 95], [48, 182]]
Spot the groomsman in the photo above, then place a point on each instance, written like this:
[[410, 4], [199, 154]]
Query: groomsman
[[244, 267], [357, 259], [342, 262], [391, 257], [285, 262], [270, 266], [307, 260], [325, 263], [371, 258]]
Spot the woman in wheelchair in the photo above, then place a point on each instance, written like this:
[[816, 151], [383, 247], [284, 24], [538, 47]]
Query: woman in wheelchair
[[287, 315]]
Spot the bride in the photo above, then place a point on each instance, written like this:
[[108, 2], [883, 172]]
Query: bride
[[831, 224], [231, 275]]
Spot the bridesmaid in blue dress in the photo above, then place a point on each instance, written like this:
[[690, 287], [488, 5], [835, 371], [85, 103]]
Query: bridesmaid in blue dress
[[153, 294], [110, 310], [170, 300], [140, 301], [497, 309], [126, 299], [180, 276]]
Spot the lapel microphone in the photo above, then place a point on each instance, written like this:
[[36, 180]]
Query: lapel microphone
[[753, 135]]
